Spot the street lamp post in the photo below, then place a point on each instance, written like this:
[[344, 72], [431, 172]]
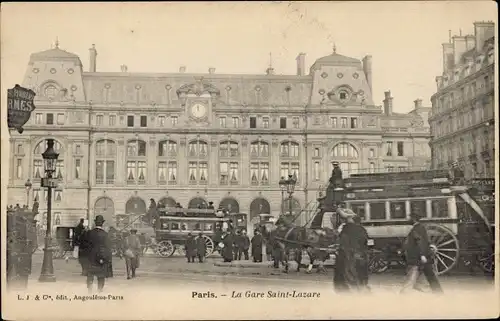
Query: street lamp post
[[290, 188], [28, 186], [283, 183], [50, 159]]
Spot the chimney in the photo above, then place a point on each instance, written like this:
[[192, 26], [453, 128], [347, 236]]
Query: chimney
[[388, 103], [124, 68], [367, 68], [182, 69], [93, 59], [448, 61], [301, 64], [470, 42], [211, 70], [483, 30], [459, 48], [418, 103]]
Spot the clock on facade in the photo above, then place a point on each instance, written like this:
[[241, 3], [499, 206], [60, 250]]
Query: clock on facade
[[198, 110]]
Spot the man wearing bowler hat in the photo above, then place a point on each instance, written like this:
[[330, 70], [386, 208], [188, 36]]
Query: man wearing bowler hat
[[419, 256], [99, 255]]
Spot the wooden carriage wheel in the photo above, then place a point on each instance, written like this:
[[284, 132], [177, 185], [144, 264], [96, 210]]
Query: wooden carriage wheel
[[165, 248], [445, 247], [210, 245], [486, 262]]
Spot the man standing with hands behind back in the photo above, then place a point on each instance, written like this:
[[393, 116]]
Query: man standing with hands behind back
[[419, 256]]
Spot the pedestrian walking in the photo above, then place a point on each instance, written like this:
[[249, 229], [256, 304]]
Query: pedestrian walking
[[132, 252], [419, 257], [257, 242], [79, 249], [351, 262], [236, 245], [100, 258], [190, 248], [244, 245], [201, 247], [227, 249]]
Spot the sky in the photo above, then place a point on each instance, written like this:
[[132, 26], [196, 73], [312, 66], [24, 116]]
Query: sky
[[404, 38]]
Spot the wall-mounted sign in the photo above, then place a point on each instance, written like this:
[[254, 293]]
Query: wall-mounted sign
[[19, 106]]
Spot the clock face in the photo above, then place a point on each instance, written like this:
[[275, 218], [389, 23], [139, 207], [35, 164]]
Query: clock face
[[198, 110]]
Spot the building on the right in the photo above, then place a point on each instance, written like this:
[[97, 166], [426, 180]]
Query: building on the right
[[462, 116]]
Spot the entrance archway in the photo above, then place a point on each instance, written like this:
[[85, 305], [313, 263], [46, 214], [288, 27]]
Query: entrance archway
[[259, 206], [168, 202], [198, 201], [230, 204], [105, 206], [134, 208]]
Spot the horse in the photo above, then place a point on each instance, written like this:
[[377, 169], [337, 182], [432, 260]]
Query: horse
[[287, 239]]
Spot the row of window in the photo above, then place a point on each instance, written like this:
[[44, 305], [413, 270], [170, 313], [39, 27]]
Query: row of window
[[398, 209], [466, 70], [466, 145], [50, 118], [399, 149]]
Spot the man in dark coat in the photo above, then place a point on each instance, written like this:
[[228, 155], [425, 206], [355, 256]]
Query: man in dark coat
[[99, 255], [419, 257], [77, 236], [257, 242], [244, 245], [227, 250], [201, 247], [352, 258], [236, 245], [190, 248]]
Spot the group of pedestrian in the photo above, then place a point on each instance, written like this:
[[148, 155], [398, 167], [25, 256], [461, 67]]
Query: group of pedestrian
[[195, 248], [94, 248], [351, 270]]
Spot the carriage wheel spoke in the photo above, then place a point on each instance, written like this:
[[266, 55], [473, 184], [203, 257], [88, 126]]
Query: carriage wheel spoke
[[446, 256], [442, 262], [445, 243], [447, 250]]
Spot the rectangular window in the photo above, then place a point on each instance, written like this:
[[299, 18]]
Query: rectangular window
[[19, 168], [254, 173], [37, 168], [112, 120], [236, 122], [354, 122], [259, 173], [296, 122], [58, 195], [377, 210], [130, 121], [110, 172], [172, 172], [265, 122], [282, 122], [233, 173], [99, 172], [175, 120], [203, 168], [316, 152], [39, 118], [161, 121], [20, 149], [60, 119], [372, 152], [144, 121], [141, 172], [389, 149], [224, 173], [253, 122], [317, 171], [284, 170], [398, 210], [439, 208], [36, 195], [78, 165], [99, 120], [131, 172], [59, 169], [50, 119], [222, 122], [343, 122], [400, 149], [162, 172], [372, 167]]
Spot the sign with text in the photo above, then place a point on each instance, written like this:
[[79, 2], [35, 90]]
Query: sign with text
[[19, 107]]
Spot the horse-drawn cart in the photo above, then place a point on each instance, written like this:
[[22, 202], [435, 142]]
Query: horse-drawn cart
[[173, 225]]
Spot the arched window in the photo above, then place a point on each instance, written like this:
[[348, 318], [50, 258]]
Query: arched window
[[136, 162], [198, 169], [134, 208], [257, 207], [230, 204], [198, 202], [38, 168], [105, 153], [228, 149], [289, 149], [167, 165], [259, 149], [347, 156], [198, 148], [50, 91]]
